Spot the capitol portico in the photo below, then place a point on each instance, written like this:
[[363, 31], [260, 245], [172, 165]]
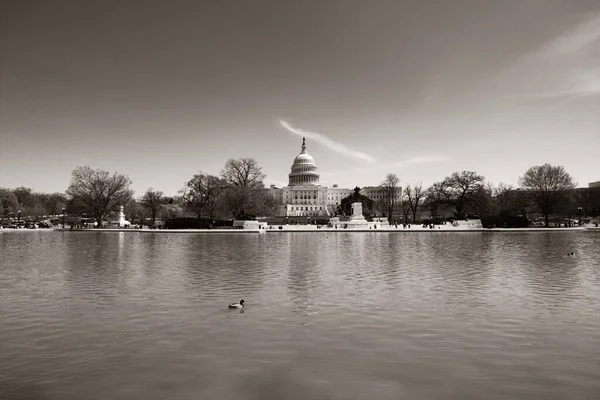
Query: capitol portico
[[304, 196]]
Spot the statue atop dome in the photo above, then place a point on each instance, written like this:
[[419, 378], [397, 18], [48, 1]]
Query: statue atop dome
[[303, 146]]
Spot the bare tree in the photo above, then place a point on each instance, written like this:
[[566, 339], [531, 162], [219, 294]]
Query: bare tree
[[202, 194], [152, 199], [548, 185], [26, 199], [436, 198], [243, 172], [136, 211], [415, 195], [482, 203], [511, 201], [391, 194], [503, 194], [244, 203], [9, 203], [589, 201], [170, 211], [54, 203], [100, 191], [245, 195], [35, 205], [457, 190], [37, 208]]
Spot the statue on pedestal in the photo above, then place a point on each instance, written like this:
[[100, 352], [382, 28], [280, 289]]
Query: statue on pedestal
[[123, 223]]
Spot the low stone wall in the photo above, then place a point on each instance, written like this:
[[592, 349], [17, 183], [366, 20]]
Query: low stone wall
[[243, 224], [468, 224]]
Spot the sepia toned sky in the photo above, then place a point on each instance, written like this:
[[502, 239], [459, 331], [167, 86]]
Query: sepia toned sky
[[160, 90]]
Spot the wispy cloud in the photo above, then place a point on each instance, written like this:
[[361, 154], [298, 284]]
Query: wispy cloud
[[574, 86], [418, 160], [576, 39], [392, 167], [566, 64], [330, 144]]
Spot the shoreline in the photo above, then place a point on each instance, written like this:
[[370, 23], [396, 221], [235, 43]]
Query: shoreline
[[310, 229]]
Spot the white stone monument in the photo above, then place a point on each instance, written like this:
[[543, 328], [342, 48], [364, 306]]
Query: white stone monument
[[357, 220], [123, 223]]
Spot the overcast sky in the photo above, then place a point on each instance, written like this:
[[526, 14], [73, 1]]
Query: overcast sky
[[160, 90]]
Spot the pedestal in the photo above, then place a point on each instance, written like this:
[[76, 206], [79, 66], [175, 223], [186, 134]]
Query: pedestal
[[357, 220]]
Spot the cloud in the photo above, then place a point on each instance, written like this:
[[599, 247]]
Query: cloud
[[574, 87], [388, 166], [330, 144], [418, 160], [564, 67], [575, 40]]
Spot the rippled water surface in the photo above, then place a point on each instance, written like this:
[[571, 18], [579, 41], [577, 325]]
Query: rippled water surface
[[96, 315]]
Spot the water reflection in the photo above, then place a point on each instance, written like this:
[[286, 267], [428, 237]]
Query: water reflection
[[464, 258], [548, 270], [223, 268], [303, 270], [338, 315], [121, 245], [94, 266], [146, 250]]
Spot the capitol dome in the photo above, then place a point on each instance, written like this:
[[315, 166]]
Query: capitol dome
[[304, 169]]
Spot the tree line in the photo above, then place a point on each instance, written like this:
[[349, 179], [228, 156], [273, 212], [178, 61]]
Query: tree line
[[238, 192], [25, 201], [543, 189]]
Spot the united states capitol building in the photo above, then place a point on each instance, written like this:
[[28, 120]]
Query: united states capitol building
[[304, 196]]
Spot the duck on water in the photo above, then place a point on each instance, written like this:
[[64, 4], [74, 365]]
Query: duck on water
[[237, 306]]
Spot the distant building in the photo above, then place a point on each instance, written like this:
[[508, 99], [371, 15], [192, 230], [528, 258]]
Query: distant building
[[594, 184], [304, 196]]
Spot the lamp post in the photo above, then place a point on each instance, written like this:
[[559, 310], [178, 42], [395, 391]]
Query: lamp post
[[580, 215], [18, 218], [63, 215]]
